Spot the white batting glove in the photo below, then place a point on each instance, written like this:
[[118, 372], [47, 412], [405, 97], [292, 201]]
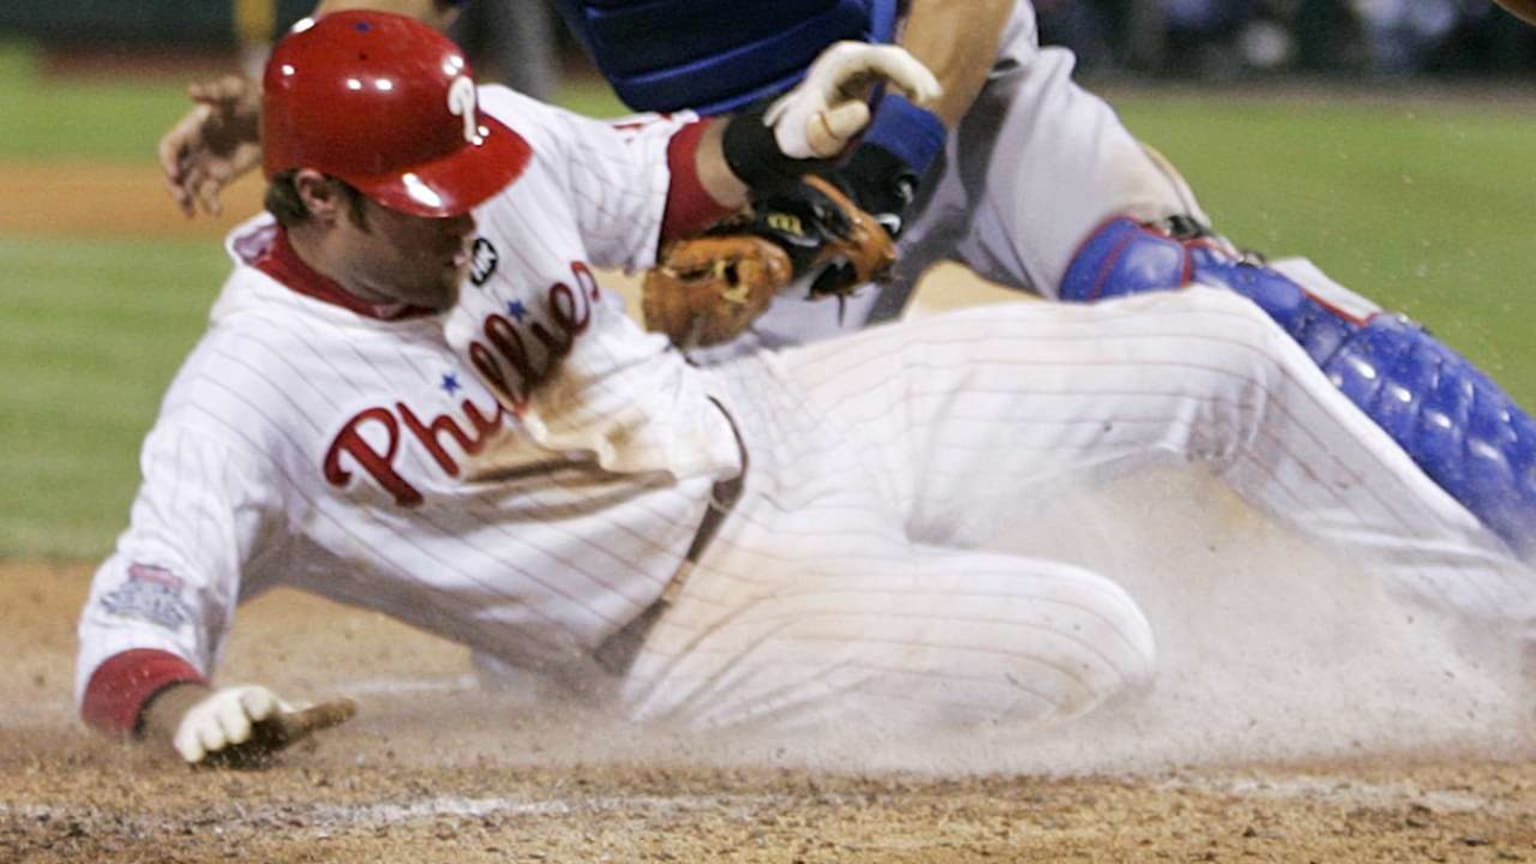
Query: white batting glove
[[817, 118], [224, 719]]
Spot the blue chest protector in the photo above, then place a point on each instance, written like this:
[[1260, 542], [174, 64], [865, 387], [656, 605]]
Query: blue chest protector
[[716, 55]]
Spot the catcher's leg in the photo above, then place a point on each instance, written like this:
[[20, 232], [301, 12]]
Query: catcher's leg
[[1039, 163], [1456, 422], [1036, 164]]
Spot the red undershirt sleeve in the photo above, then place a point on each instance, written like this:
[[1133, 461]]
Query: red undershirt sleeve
[[121, 687], [690, 208]]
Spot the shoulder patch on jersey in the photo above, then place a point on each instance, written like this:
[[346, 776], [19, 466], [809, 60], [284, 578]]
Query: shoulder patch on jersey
[[152, 594], [483, 262]]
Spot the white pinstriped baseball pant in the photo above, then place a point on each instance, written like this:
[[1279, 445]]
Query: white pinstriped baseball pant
[[845, 586]]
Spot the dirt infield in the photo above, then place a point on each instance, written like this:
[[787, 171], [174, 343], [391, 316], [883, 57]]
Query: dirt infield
[[74, 199], [1432, 763], [434, 771]]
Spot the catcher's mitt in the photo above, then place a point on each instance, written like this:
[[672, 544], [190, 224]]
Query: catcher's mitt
[[707, 290]]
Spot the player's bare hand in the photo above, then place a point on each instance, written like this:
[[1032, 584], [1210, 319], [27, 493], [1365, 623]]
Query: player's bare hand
[[823, 112], [245, 727], [213, 144]]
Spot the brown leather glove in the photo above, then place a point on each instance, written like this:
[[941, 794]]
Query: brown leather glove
[[707, 290]]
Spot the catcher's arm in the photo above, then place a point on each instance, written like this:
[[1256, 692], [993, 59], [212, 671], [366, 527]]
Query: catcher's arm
[[709, 289], [958, 40], [235, 727]]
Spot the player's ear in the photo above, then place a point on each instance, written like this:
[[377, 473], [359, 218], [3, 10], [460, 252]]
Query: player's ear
[[322, 197]]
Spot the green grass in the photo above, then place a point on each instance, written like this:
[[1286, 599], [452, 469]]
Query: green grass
[[109, 120], [91, 334], [1424, 208]]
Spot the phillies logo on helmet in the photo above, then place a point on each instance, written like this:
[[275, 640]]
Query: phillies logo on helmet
[[461, 104], [389, 105]]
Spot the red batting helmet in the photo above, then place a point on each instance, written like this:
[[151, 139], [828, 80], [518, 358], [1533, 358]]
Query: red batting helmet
[[387, 104]]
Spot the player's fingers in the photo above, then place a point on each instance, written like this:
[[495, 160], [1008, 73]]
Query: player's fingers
[[835, 65], [259, 703], [211, 735], [188, 744], [829, 130], [182, 139], [180, 196], [176, 152], [227, 88], [170, 153], [232, 723], [845, 70], [901, 69], [207, 191], [187, 184]]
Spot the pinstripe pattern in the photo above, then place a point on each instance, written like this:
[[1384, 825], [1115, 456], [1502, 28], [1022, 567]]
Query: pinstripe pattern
[[535, 567], [541, 553], [535, 512], [840, 590]]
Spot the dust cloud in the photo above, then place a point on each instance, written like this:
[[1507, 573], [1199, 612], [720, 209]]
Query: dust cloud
[[1269, 652]]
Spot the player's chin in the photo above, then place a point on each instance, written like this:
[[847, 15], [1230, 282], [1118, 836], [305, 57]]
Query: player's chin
[[442, 291], [447, 294]]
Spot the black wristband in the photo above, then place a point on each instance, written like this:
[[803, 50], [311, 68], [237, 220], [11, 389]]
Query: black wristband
[[753, 155]]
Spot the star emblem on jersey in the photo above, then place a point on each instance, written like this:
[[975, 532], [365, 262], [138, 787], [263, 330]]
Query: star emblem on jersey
[[483, 261], [451, 383], [517, 310]]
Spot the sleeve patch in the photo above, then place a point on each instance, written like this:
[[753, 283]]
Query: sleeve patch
[[152, 594]]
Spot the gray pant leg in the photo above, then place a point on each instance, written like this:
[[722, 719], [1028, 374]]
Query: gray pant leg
[[1036, 165]]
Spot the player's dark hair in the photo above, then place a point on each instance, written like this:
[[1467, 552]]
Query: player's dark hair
[[285, 204]]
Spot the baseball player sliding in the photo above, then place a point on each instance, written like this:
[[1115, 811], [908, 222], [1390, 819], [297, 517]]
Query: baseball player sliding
[[416, 397], [1014, 171]]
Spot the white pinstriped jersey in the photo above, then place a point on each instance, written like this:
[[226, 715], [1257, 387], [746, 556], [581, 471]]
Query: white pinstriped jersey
[[363, 460], [532, 297], [306, 444]]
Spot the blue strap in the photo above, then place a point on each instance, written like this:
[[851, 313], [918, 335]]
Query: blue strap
[[882, 21], [1123, 257], [912, 134]]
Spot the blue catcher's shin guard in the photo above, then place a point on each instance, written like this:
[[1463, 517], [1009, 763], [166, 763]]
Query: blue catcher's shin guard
[[1460, 427]]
